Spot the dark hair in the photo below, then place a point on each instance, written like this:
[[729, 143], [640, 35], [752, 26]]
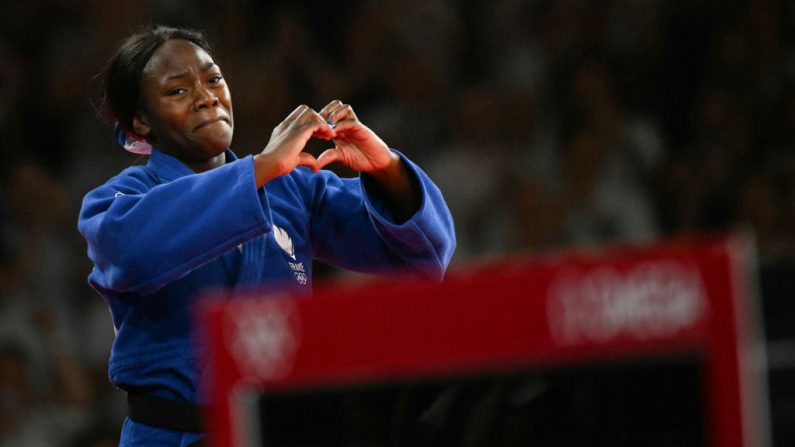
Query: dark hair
[[124, 70]]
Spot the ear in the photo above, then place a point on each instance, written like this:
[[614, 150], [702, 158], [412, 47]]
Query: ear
[[141, 124]]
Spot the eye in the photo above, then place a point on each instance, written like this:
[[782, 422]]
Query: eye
[[176, 91], [215, 79]]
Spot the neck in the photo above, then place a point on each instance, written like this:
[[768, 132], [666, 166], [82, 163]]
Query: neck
[[212, 163]]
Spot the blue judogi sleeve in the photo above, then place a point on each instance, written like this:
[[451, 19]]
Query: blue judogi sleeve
[[143, 235], [353, 228]]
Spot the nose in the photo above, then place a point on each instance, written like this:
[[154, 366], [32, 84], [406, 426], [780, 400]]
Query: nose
[[204, 99]]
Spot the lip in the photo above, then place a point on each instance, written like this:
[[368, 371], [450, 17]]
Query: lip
[[207, 122]]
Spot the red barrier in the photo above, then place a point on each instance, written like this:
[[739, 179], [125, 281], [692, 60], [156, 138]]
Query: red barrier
[[690, 296]]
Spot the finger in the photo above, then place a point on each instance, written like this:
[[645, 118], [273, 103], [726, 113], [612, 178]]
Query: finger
[[344, 112], [306, 115], [328, 156], [308, 160], [324, 132], [297, 119], [348, 127], [324, 112], [310, 121], [356, 132], [331, 109], [310, 117], [323, 129], [295, 114]]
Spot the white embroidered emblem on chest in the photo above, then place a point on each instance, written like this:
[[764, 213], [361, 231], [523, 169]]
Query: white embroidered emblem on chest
[[284, 241]]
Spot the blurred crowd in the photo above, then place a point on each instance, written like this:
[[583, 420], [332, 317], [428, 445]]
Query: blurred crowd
[[547, 124]]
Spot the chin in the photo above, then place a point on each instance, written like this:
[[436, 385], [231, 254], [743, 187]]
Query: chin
[[213, 138], [216, 152], [218, 146]]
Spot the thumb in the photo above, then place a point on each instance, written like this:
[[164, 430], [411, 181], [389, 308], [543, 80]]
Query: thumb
[[308, 160], [328, 156]]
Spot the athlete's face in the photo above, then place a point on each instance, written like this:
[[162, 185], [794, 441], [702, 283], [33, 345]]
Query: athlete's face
[[186, 107]]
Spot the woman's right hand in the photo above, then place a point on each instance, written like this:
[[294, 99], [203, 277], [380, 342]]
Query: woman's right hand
[[285, 150]]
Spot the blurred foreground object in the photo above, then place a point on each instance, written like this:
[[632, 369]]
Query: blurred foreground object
[[654, 346]]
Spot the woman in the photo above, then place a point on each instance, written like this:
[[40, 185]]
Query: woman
[[196, 217]]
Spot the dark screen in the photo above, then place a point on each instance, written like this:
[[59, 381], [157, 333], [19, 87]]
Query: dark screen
[[654, 405]]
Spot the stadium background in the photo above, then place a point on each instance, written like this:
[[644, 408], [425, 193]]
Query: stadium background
[[547, 124]]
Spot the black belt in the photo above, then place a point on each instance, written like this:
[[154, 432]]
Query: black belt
[[165, 413]]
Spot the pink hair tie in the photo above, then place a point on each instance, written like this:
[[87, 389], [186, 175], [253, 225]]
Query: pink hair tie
[[131, 141]]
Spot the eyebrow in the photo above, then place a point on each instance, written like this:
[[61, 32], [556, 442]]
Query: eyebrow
[[206, 67]]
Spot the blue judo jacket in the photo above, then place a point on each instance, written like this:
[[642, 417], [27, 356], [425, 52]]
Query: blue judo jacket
[[159, 235]]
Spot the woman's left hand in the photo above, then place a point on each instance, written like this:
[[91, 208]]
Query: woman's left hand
[[355, 145], [359, 148]]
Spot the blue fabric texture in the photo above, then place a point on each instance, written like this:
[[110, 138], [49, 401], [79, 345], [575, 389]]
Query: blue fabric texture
[[160, 235]]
